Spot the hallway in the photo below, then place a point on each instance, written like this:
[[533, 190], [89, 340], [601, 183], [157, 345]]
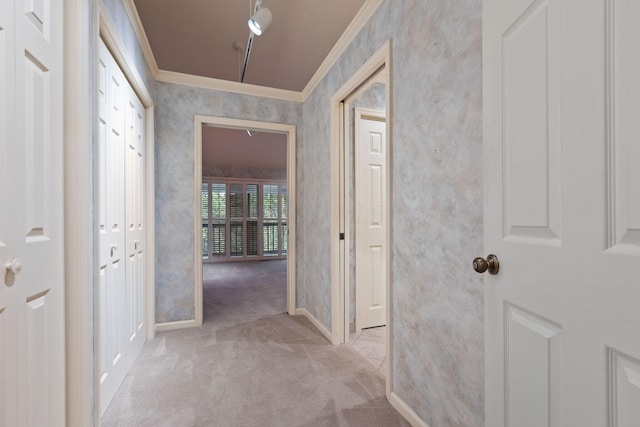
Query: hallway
[[250, 364]]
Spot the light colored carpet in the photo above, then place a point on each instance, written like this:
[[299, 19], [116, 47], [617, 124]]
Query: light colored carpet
[[249, 365]]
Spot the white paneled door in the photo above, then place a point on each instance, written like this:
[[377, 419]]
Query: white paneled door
[[31, 233], [371, 222], [121, 228], [135, 230], [562, 212]]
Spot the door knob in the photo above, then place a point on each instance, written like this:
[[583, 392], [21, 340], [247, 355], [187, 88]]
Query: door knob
[[14, 266], [491, 264]]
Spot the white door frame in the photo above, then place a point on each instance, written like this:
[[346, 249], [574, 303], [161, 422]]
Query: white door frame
[[339, 201], [84, 23], [222, 122], [79, 253]]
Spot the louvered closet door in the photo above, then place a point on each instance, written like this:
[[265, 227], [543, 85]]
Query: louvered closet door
[[122, 209], [31, 201]]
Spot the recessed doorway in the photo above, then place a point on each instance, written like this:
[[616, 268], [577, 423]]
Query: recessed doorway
[[361, 212], [246, 200]]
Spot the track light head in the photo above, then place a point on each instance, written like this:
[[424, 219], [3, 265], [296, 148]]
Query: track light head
[[260, 21]]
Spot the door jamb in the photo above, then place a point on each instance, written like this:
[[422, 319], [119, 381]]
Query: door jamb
[[339, 323], [290, 131]]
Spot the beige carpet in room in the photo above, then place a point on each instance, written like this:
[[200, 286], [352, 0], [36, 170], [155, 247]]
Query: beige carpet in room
[[249, 365]]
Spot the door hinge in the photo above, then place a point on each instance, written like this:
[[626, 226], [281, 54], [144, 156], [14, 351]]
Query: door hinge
[[341, 236]]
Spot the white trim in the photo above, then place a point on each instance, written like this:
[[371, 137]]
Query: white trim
[[197, 222], [290, 131], [389, 335], [406, 411], [316, 323], [150, 219], [362, 17], [381, 58], [173, 326], [78, 218], [141, 35], [227, 86]]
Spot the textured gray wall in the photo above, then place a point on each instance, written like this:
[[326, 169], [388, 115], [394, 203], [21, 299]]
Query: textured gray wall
[[436, 175], [176, 107]]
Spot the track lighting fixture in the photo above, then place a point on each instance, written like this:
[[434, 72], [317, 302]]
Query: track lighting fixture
[[260, 20]]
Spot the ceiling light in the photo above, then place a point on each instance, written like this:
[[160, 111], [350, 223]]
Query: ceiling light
[[260, 20]]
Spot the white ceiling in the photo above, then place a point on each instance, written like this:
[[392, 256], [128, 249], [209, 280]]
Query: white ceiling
[[235, 148], [197, 37]]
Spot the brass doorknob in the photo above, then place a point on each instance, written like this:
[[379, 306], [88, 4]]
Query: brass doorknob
[[491, 264]]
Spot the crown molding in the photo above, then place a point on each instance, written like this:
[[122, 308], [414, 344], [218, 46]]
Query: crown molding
[[227, 86], [364, 14], [134, 18]]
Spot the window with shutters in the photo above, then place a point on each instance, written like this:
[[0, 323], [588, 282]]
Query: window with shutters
[[243, 219]]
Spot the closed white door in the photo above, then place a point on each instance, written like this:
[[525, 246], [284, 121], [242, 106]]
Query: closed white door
[[562, 212], [32, 368], [112, 88], [134, 205], [122, 228], [371, 222]]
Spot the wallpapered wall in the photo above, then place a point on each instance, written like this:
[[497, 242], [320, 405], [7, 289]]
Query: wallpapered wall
[[436, 147], [176, 107]]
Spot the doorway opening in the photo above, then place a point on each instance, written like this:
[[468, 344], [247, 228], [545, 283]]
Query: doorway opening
[[360, 160], [245, 201]]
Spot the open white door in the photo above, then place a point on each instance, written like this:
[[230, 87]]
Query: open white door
[[32, 367], [562, 212], [371, 222]]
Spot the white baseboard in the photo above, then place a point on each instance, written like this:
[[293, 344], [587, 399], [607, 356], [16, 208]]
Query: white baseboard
[[406, 411], [319, 326], [181, 324]]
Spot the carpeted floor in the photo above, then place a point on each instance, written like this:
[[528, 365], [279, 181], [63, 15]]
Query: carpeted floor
[[249, 365]]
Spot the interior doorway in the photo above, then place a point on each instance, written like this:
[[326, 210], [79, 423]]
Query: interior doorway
[[361, 209], [249, 197], [366, 164]]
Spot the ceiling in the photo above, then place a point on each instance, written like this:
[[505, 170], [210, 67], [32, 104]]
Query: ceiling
[[235, 148], [197, 37]]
